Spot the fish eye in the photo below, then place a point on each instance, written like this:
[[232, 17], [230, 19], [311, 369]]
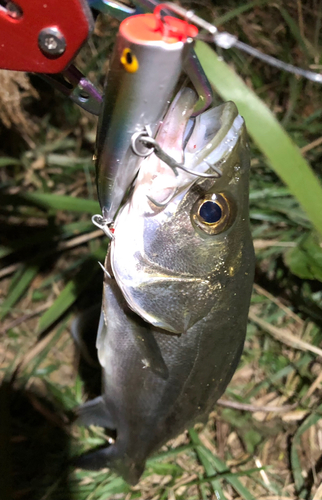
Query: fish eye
[[214, 213], [129, 61]]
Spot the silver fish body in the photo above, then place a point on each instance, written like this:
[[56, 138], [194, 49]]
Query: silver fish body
[[175, 308]]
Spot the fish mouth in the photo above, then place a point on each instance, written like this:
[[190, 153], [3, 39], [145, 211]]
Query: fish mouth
[[207, 143]]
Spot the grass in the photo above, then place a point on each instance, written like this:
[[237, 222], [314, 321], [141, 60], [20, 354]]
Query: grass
[[263, 440]]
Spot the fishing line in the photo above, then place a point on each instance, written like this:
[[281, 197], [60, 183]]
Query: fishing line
[[226, 40]]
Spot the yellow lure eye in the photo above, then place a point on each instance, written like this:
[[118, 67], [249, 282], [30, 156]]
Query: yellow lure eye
[[129, 61]]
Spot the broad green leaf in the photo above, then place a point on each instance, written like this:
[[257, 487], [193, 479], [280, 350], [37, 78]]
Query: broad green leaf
[[252, 439], [164, 468], [283, 155], [305, 260]]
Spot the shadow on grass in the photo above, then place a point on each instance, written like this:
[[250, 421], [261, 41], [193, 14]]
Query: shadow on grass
[[34, 442], [26, 241], [34, 448], [89, 367]]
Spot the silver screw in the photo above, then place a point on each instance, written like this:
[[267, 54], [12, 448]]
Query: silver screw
[[52, 42]]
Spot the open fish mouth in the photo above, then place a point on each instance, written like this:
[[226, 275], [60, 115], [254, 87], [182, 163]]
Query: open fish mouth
[[203, 145]]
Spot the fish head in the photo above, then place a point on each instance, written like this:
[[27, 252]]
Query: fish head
[[182, 243]]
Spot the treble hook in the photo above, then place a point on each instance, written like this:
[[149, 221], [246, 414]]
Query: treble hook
[[149, 142], [100, 222], [161, 204]]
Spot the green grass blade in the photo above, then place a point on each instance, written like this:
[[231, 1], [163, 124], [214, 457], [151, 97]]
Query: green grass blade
[[32, 368], [25, 278], [60, 202], [219, 21], [172, 452], [295, 30], [58, 160], [209, 469], [296, 444], [283, 155], [212, 462], [114, 487], [7, 161], [68, 295]]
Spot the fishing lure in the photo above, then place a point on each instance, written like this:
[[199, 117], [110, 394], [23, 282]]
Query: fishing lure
[[149, 56]]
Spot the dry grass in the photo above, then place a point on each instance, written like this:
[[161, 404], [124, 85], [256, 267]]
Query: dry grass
[[14, 88]]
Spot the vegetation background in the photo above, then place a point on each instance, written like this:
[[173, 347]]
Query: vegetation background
[[264, 438]]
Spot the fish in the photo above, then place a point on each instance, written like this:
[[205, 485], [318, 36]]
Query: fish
[[177, 286]]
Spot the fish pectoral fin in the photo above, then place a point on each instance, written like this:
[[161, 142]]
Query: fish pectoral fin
[[83, 330], [95, 412], [95, 460], [152, 358]]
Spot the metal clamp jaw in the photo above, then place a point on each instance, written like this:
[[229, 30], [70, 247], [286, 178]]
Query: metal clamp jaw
[[42, 37]]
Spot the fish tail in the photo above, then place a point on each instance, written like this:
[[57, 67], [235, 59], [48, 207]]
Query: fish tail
[[95, 460], [109, 457], [95, 412], [131, 473]]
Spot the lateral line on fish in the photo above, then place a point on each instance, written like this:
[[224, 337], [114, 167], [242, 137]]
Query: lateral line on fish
[[171, 278]]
